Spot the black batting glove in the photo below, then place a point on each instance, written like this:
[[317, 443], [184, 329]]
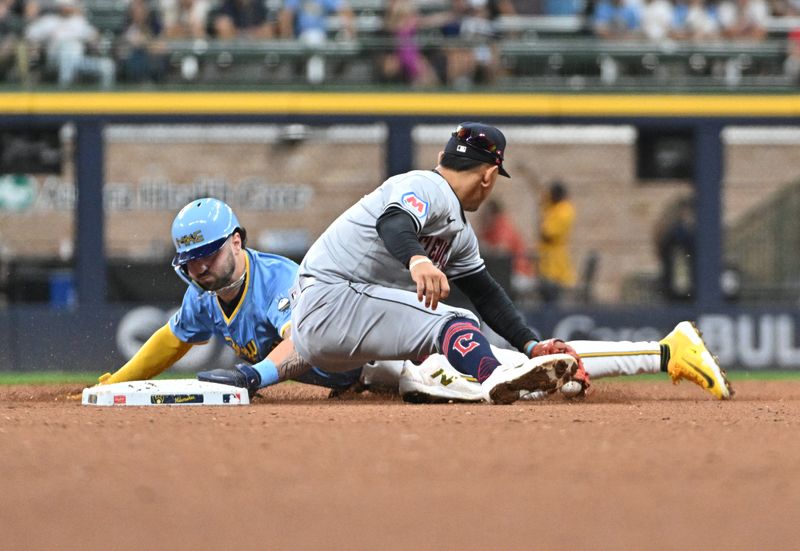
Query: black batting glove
[[242, 376]]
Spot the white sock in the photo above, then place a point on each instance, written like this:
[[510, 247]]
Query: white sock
[[611, 359]]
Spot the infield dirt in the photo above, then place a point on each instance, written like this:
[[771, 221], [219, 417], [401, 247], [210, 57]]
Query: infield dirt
[[636, 466]]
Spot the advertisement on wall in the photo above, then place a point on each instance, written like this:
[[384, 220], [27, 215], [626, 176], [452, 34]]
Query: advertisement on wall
[[38, 338]]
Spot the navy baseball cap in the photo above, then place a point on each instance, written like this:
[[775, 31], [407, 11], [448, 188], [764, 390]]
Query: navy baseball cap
[[480, 142]]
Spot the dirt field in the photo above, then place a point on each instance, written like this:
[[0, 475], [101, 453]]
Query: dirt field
[[637, 466]]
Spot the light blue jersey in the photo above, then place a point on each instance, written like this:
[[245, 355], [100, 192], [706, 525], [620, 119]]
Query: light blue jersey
[[258, 323], [260, 320]]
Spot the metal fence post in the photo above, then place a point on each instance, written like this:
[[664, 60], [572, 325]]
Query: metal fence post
[[90, 260], [708, 169], [399, 147]]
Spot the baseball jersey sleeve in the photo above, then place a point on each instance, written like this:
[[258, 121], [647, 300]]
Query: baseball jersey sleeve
[[192, 323], [416, 196], [281, 319]]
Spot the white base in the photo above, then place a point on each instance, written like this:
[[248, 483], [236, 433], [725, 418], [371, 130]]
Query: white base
[[174, 392]]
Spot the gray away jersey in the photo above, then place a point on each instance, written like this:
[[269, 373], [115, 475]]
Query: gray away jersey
[[351, 248]]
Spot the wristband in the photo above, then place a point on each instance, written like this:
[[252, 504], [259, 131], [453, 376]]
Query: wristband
[[529, 348], [419, 261], [268, 372]]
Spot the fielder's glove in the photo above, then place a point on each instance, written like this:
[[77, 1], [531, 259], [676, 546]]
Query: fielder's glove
[[557, 346], [242, 375]]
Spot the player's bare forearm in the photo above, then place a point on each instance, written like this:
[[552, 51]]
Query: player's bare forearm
[[286, 359], [292, 367]]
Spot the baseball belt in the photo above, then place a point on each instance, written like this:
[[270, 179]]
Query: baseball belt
[[304, 282]]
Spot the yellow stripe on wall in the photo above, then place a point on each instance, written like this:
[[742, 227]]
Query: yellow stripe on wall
[[287, 103]]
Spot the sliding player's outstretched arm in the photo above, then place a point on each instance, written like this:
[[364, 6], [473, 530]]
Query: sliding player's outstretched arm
[[157, 354]]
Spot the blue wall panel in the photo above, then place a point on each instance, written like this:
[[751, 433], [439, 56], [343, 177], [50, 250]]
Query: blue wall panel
[[38, 338]]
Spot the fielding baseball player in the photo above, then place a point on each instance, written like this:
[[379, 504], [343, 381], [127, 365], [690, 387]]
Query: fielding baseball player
[[369, 287], [239, 294]]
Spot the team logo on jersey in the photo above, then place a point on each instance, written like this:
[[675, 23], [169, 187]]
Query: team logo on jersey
[[437, 249], [247, 352], [283, 304], [412, 202]]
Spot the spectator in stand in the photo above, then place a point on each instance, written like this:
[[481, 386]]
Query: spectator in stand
[[499, 8], [243, 19], [657, 20], [617, 19], [143, 54], [406, 62], [499, 235], [493, 10], [477, 29], [532, 7], [472, 22], [455, 63], [8, 38], [781, 8], [563, 7], [695, 20], [15, 15], [791, 66], [744, 19], [307, 20], [25, 10], [185, 18], [67, 37]]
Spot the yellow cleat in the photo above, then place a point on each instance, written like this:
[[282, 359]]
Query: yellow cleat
[[690, 359]]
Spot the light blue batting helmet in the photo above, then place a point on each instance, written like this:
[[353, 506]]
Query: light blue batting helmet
[[201, 228]]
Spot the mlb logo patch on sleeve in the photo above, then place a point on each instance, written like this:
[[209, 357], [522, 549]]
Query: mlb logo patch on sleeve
[[414, 204]]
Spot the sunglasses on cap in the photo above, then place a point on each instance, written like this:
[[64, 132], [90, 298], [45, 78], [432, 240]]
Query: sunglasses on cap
[[480, 141]]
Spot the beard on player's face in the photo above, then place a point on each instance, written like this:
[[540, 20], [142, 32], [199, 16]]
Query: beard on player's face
[[214, 271]]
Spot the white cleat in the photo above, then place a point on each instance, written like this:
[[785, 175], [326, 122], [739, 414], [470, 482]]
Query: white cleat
[[382, 375], [543, 373], [436, 381]]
